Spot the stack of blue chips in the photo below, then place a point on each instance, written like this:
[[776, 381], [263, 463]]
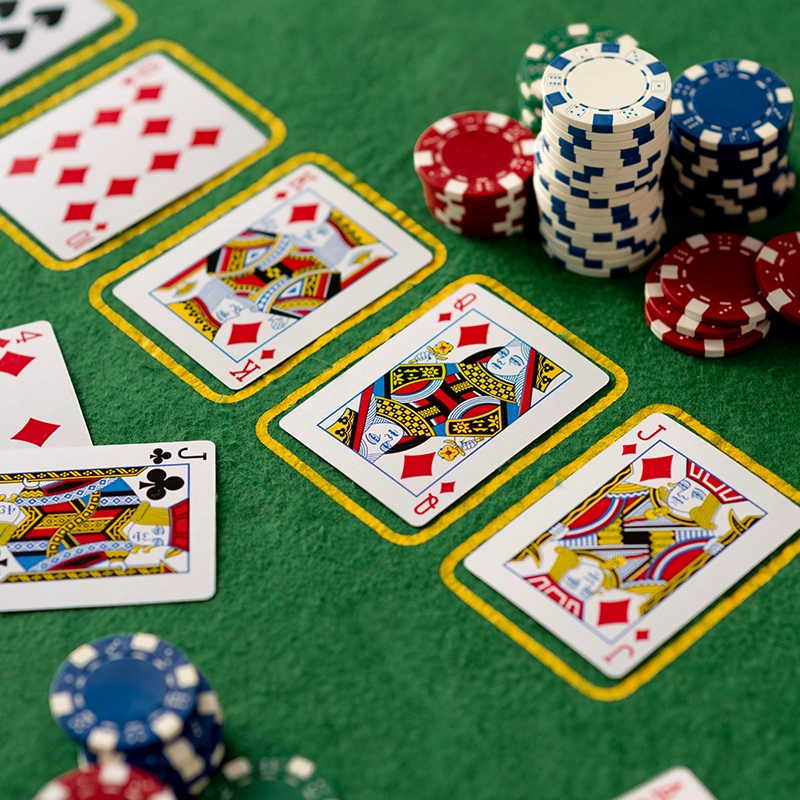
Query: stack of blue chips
[[138, 699], [731, 123]]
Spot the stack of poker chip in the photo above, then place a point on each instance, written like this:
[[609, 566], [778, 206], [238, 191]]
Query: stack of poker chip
[[604, 141], [539, 54], [138, 700], [778, 274], [476, 169], [110, 782], [702, 298], [271, 777], [731, 121]]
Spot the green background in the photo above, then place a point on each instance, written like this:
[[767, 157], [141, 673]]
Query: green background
[[325, 639]]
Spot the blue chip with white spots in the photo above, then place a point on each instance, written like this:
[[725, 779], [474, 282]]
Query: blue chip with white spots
[[124, 692], [731, 103]]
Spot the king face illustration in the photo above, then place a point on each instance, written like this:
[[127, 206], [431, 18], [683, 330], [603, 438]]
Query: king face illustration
[[276, 272]]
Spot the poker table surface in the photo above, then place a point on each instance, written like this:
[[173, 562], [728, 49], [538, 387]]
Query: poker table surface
[[338, 631]]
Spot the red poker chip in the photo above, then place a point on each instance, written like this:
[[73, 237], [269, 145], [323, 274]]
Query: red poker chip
[[711, 277], [705, 348], [778, 274], [498, 222], [661, 308], [475, 154], [112, 781]]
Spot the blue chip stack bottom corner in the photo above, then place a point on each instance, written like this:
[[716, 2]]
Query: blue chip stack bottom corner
[[729, 141], [138, 699], [188, 763]]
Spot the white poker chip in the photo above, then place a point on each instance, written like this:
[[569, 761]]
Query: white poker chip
[[606, 88]]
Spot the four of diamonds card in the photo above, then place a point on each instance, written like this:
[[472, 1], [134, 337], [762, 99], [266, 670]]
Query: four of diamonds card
[[273, 275], [426, 416], [92, 526]]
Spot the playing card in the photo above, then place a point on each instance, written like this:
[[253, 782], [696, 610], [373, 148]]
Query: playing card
[[678, 783], [429, 414], [104, 526], [273, 275], [33, 31], [112, 155], [629, 549], [40, 408]]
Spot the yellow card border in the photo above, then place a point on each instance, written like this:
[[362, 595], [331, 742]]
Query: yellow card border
[[346, 177], [275, 126], [639, 677], [480, 494], [127, 25]]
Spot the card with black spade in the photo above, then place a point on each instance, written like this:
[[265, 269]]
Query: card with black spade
[[34, 31], [107, 526]]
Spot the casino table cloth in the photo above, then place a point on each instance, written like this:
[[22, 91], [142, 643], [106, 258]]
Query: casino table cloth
[[337, 630]]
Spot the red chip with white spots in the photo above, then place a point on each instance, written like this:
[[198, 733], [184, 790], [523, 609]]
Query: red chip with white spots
[[778, 274], [113, 781], [659, 307], [711, 277], [475, 154], [704, 348]]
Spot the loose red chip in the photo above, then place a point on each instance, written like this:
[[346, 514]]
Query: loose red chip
[[114, 781], [705, 348], [485, 221], [475, 154], [711, 277], [671, 315], [778, 274]]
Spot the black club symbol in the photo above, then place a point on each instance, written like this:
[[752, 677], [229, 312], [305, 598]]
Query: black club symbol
[[160, 456], [160, 484]]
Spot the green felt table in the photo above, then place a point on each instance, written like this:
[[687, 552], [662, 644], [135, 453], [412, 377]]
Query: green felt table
[[325, 637]]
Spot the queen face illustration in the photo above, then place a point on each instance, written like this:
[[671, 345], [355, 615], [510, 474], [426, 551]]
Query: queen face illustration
[[379, 438]]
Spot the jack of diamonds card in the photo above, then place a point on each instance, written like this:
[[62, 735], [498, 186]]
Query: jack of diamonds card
[[429, 414], [116, 153], [105, 526], [34, 31], [678, 783], [629, 549], [40, 408], [273, 275]]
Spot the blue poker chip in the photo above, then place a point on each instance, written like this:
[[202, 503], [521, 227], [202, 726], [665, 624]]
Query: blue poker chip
[[730, 103], [185, 766], [731, 155], [702, 170], [741, 190], [124, 692]]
